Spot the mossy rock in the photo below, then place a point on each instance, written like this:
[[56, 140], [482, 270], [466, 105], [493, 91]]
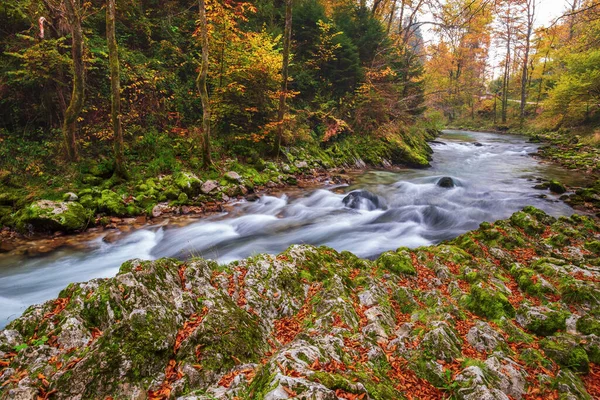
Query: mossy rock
[[398, 262], [557, 187], [112, 204], [528, 222], [46, 215], [589, 325], [593, 246], [548, 324], [489, 303], [188, 183], [567, 352]]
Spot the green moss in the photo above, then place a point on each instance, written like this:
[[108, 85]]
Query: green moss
[[534, 359], [589, 325], [398, 262], [555, 321], [566, 352], [51, 216], [112, 204], [489, 304], [188, 183], [556, 187], [593, 246]]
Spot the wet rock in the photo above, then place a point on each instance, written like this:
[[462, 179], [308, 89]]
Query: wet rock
[[361, 199], [209, 186], [446, 182], [477, 144], [160, 209], [557, 187]]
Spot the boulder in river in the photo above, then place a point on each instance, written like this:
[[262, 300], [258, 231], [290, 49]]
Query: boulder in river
[[557, 187], [446, 182], [359, 198]]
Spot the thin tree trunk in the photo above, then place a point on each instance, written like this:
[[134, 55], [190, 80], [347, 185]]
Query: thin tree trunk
[[73, 8], [201, 85], [115, 86], [524, 73], [287, 37], [392, 12], [506, 81]]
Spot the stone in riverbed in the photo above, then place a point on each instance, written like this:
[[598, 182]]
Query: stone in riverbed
[[358, 198], [446, 182], [557, 187]]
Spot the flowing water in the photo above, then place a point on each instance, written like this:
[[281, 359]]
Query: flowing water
[[493, 176]]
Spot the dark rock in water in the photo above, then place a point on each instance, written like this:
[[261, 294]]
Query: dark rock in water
[[557, 187], [446, 182], [359, 197], [477, 144], [252, 197], [436, 142]]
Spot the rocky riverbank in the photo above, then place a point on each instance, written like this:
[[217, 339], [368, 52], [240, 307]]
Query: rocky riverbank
[[576, 153], [511, 310], [100, 201]]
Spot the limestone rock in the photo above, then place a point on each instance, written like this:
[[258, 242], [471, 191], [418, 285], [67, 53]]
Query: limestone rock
[[209, 186]]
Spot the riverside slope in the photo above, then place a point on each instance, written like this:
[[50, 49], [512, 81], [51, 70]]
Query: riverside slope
[[511, 309]]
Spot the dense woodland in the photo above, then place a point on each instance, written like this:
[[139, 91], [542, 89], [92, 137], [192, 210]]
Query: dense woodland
[[277, 73], [131, 90]]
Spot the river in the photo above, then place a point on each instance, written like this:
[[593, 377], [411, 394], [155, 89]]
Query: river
[[493, 174]]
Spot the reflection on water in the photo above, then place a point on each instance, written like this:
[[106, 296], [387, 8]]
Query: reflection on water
[[492, 175]]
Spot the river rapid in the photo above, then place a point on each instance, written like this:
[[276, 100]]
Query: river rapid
[[493, 177]]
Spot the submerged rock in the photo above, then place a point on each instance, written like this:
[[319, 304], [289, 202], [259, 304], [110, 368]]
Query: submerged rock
[[446, 182], [361, 199]]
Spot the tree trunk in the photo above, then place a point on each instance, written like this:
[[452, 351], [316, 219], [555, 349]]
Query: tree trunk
[[202, 87], [392, 12], [115, 86], [506, 81], [73, 8], [287, 38], [524, 72]]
